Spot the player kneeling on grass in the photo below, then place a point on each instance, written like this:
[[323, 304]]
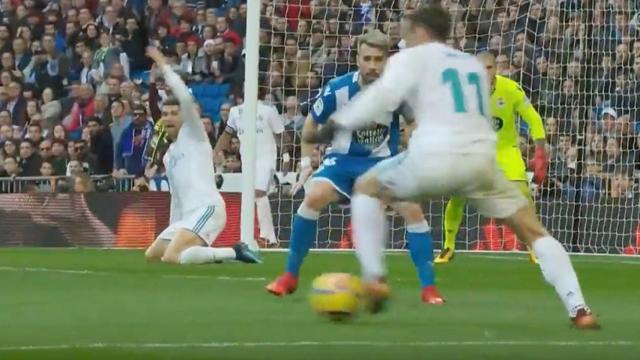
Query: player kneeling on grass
[[352, 153], [452, 152], [198, 212]]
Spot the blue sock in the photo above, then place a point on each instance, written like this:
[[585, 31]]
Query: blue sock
[[303, 233], [421, 251]]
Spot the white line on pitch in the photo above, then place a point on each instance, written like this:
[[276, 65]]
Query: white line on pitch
[[91, 272], [578, 259], [324, 343]]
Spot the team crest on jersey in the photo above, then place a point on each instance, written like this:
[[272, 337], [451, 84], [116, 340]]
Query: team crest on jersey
[[500, 102], [318, 106]]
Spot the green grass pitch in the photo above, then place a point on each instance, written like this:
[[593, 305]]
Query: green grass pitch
[[110, 304]]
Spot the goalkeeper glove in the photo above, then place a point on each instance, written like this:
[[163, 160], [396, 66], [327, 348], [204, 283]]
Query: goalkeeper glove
[[539, 164]]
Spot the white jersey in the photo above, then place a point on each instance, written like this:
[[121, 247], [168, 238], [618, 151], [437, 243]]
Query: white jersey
[[448, 92], [268, 123], [189, 159]]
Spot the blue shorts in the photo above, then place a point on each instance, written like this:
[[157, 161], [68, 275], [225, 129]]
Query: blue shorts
[[343, 170]]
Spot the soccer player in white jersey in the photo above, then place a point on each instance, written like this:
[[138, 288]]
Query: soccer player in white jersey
[[198, 212], [451, 152], [269, 126]]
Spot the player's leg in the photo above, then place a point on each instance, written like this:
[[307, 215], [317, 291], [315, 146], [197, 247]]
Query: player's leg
[[156, 250], [418, 235], [303, 232], [264, 174], [503, 200], [453, 213], [369, 233], [378, 185], [193, 236], [523, 186]]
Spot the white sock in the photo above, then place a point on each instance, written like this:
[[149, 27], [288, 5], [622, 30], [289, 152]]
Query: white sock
[[206, 255], [265, 220], [369, 232], [557, 270]]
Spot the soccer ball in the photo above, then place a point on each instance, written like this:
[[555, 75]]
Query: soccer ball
[[336, 295]]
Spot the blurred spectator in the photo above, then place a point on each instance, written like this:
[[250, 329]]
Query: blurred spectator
[[46, 150], [82, 183], [5, 132], [75, 167], [59, 132], [129, 157], [120, 121], [59, 157], [30, 160], [10, 167], [9, 148], [101, 145], [84, 156], [614, 158], [621, 185], [34, 133], [16, 104], [210, 129]]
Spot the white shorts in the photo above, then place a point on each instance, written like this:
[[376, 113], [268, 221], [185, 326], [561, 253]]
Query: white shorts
[[264, 175], [207, 223], [476, 177]]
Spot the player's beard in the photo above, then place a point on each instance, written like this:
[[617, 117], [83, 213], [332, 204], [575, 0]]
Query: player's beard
[[368, 79]]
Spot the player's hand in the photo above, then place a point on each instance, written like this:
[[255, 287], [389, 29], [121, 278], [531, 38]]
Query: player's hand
[[324, 135], [305, 173], [150, 171], [156, 55], [539, 163]]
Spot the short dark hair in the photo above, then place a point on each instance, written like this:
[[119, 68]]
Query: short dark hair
[[59, 141], [35, 125], [94, 119], [27, 141], [171, 101], [433, 18]]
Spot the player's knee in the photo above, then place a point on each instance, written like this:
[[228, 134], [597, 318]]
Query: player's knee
[[526, 225], [152, 254], [366, 185], [171, 257], [412, 213], [320, 196]]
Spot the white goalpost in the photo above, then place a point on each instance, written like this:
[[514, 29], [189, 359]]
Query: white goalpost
[[249, 121]]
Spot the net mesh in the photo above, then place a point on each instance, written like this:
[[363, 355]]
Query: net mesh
[[578, 62]]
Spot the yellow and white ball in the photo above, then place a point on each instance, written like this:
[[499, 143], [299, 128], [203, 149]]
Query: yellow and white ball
[[336, 295]]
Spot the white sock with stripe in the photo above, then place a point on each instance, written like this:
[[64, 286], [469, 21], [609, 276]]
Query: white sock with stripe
[[265, 219], [206, 255]]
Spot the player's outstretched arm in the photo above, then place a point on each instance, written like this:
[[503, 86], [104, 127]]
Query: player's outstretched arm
[[173, 80], [180, 90], [528, 113], [306, 148]]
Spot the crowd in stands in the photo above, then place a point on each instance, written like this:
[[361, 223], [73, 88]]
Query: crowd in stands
[[77, 93]]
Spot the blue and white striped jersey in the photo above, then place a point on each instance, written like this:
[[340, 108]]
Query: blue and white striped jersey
[[379, 140]]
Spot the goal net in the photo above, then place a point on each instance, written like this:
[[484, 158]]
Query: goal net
[[577, 61]]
